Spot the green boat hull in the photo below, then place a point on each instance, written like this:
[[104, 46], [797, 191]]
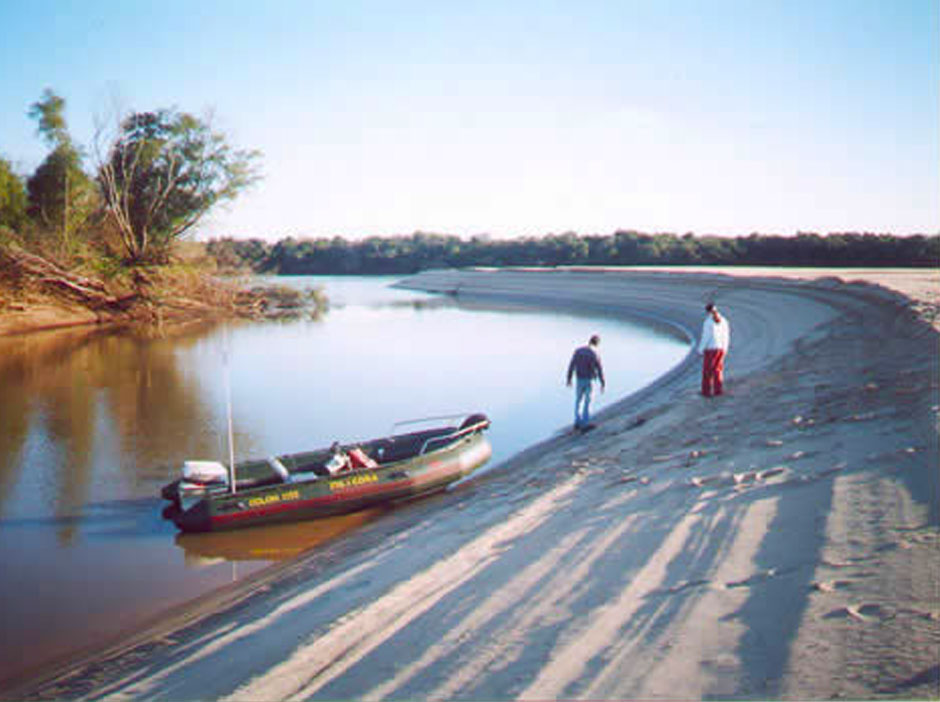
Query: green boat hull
[[265, 502]]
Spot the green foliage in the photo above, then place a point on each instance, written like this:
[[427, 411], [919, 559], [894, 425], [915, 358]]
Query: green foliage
[[405, 255], [13, 202], [61, 195], [107, 266], [235, 254], [49, 113], [164, 171]]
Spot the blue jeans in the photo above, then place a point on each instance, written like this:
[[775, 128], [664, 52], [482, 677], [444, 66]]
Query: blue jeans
[[582, 401]]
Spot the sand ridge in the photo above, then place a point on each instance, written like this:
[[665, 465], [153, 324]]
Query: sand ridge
[[780, 542]]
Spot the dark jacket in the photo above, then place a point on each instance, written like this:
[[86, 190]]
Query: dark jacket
[[586, 364]]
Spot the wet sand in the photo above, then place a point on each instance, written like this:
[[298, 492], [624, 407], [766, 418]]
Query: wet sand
[[778, 542]]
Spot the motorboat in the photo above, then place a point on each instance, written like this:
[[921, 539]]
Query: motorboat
[[342, 478]]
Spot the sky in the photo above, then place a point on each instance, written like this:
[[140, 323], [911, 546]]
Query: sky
[[522, 118]]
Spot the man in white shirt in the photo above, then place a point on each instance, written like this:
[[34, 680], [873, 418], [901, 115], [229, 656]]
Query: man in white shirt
[[716, 334]]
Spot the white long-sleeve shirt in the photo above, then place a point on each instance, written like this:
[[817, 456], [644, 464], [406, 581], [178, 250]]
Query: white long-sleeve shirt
[[715, 335]]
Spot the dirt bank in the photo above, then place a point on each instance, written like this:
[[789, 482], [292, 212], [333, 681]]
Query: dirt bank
[[779, 542]]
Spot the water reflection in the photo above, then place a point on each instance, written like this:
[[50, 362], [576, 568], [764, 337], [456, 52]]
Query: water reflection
[[77, 404], [271, 543], [42, 388], [92, 421], [435, 303]]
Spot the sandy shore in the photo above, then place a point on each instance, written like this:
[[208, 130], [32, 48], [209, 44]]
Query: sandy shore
[[779, 542]]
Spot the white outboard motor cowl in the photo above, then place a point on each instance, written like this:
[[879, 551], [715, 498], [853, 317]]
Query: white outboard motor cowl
[[205, 472]]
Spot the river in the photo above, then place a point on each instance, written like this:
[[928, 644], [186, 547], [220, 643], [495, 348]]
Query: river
[[94, 421]]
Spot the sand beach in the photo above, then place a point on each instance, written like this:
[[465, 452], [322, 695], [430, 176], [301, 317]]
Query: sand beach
[[779, 542]]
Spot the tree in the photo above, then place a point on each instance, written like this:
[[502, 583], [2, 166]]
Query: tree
[[12, 198], [232, 254], [49, 112], [162, 173], [61, 195]]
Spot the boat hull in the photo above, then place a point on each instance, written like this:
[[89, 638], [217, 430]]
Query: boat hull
[[340, 494]]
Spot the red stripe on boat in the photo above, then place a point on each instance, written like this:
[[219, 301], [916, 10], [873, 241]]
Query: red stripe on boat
[[347, 494]]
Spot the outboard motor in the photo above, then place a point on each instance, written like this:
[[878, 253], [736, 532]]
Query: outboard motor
[[205, 472]]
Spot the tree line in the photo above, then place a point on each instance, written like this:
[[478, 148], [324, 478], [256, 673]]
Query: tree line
[[156, 173], [421, 251]]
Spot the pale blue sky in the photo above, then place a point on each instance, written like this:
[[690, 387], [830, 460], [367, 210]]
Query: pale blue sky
[[516, 118]]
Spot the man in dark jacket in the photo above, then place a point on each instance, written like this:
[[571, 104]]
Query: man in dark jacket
[[586, 365]]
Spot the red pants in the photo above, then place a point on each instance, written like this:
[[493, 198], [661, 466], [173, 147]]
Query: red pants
[[713, 371]]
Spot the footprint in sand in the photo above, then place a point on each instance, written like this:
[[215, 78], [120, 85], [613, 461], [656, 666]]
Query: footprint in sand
[[755, 579], [929, 677], [837, 468], [687, 584], [933, 616], [830, 585], [863, 417], [742, 479], [772, 472], [863, 612], [679, 587], [846, 563], [630, 478], [720, 480]]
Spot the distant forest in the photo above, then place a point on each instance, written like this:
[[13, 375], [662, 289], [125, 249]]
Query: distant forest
[[420, 251]]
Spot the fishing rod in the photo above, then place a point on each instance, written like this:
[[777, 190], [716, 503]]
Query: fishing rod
[[228, 407]]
